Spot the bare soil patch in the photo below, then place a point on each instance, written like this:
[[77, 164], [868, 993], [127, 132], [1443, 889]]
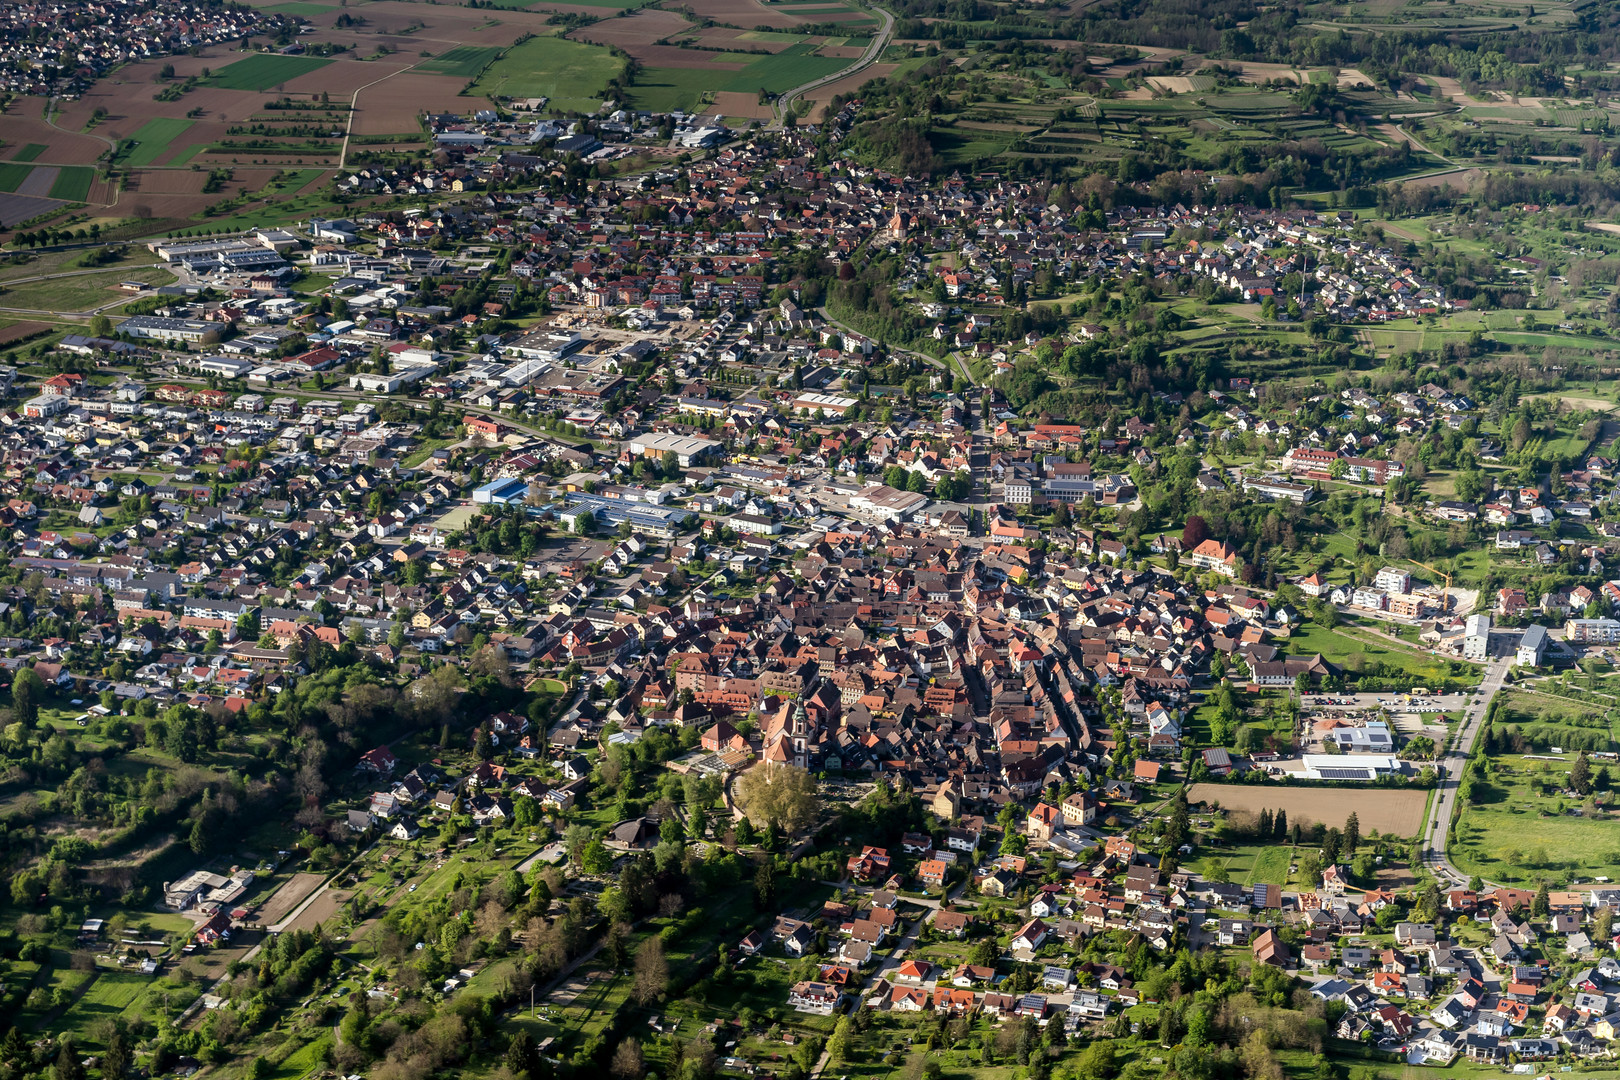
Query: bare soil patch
[[38, 182], [346, 76], [672, 56], [17, 331], [392, 107], [643, 28], [745, 105], [289, 896], [751, 13], [17, 208], [321, 910], [1389, 810], [24, 123]]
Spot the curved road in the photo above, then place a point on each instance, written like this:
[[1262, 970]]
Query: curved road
[[873, 51], [1473, 722]]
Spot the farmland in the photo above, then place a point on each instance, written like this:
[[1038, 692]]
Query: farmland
[[573, 74], [464, 62], [152, 140], [1398, 812], [265, 71]]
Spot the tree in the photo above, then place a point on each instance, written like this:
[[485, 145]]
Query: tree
[[26, 691], [785, 794], [100, 326], [1580, 775], [838, 1047], [765, 885], [1194, 532], [1352, 833], [68, 1064], [1098, 1059], [521, 1055], [525, 812], [1279, 826], [1541, 906], [627, 1061], [596, 859], [1603, 925], [651, 972]]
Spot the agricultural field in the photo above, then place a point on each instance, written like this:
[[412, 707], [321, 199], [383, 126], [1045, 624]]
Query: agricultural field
[[152, 140], [265, 71], [464, 62], [1394, 811], [573, 74]]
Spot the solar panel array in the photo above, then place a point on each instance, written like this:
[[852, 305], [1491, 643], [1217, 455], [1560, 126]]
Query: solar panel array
[[1346, 774]]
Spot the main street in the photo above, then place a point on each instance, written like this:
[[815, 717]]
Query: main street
[[1445, 802]]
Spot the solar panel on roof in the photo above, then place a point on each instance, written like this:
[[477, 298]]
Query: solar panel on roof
[[1345, 774]]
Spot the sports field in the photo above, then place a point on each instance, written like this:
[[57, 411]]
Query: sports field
[[151, 140], [464, 61], [264, 71], [572, 74]]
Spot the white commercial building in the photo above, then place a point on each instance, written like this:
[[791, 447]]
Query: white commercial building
[[1349, 766], [1477, 638], [688, 449]]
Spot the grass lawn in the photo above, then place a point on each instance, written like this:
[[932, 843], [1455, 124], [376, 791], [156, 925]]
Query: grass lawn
[[1355, 650], [572, 74], [1270, 866], [151, 140], [264, 71], [1557, 721], [425, 447], [82, 293], [1521, 826], [306, 1059]]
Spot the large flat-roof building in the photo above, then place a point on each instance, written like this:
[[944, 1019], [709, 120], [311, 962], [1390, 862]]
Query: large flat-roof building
[[688, 449], [158, 328], [886, 503], [1364, 767]]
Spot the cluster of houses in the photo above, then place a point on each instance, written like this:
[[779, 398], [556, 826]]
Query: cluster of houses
[[62, 48]]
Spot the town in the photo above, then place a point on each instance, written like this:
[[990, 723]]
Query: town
[[571, 572]]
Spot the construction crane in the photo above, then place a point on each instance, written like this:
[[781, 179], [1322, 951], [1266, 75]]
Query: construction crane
[[1445, 591]]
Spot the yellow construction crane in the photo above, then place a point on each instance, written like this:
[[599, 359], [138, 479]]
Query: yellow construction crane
[[1445, 590]]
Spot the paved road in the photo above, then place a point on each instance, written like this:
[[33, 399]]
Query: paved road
[[897, 956], [1434, 853], [873, 51]]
